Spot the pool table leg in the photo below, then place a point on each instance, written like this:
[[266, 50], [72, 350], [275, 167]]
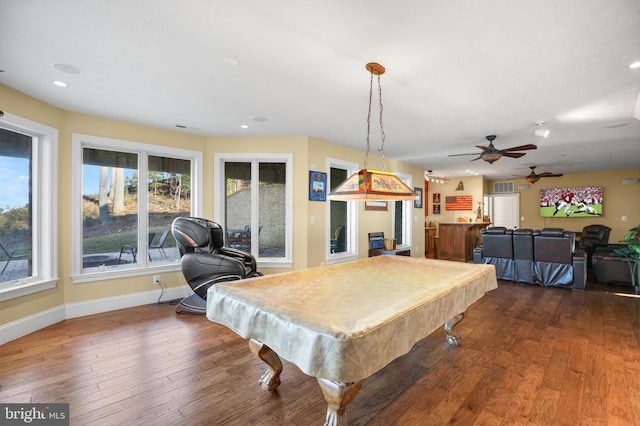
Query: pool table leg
[[338, 396], [452, 339], [270, 380]]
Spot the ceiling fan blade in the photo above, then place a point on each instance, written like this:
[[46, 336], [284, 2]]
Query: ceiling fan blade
[[521, 148], [477, 158], [485, 148], [458, 155], [548, 174], [513, 154]]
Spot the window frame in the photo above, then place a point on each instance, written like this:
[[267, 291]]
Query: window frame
[[220, 197], [143, 150], [352, 252], [45, 204]]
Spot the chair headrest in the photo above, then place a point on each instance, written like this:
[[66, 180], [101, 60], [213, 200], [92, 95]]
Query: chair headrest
[[191, 232], [523, 231], [594, 227], [597, 231], [497, 230], [552, 232]]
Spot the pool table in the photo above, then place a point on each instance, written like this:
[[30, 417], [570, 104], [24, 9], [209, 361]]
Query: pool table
[[343, 322]]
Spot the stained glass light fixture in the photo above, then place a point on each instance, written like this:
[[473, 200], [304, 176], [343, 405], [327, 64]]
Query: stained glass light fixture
[[367, 184]]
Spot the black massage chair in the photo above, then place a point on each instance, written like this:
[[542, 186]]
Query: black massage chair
[[205, 261]]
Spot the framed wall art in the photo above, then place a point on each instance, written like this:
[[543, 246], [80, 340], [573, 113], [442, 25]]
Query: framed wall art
[[418, 203], [317, 186], [375, 205]]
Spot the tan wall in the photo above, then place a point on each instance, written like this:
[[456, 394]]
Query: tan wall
[[368, 220], [473, 185], [309, 241], [619, 200], [298, 146], [67, 123]]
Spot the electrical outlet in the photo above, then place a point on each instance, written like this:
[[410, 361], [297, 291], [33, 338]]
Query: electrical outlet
[[156, 279]]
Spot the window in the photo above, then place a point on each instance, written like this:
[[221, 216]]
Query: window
[[254, 205], [127, 196], [402, 213], [28, 160], [342, 215]]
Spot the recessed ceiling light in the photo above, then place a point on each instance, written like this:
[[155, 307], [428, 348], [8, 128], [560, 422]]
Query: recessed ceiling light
[[244, 126], [635, 65], [59, 83], [69, 69], [259, 119], [231, 62]]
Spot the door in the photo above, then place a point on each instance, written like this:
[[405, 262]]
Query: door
[[504, 209]]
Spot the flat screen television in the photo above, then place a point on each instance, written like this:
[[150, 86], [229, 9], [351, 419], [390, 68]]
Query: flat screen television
[[571, 202]]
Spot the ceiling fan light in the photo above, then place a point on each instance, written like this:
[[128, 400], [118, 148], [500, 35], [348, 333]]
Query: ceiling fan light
[[490, 157], [532, 179]]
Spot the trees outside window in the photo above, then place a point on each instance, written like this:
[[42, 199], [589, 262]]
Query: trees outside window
[[16, 205], [125, 219], [28, 200]]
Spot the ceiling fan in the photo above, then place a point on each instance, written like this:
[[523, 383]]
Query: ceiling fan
[[533, 177], [491, 153]]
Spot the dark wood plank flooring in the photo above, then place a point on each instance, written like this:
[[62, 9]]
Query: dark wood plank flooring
[[529, 355]]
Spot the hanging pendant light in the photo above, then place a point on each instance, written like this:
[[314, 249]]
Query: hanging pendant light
[[367, 184]]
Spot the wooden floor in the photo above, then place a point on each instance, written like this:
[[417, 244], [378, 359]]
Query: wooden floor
[[529, 355]]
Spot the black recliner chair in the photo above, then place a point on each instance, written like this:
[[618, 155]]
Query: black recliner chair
[[205, 261], [593, 236], [497, 250]]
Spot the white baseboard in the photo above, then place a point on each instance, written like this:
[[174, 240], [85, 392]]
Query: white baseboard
[[27, 325], [24, 326]]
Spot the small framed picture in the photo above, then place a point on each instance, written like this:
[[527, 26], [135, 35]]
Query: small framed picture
[[418, 203], [317, 186], [436, 209], [375, 205], [436, 198]]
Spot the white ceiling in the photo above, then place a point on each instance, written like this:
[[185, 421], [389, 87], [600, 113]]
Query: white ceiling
[[456, 72]]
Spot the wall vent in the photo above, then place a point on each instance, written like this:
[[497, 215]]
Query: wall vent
[[503, 187]]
